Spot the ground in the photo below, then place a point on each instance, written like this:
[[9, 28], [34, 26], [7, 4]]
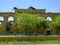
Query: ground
[[34, 42], [29, 44]]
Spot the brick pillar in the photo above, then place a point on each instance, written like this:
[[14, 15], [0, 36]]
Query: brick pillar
[[5, 21], [15, 25]]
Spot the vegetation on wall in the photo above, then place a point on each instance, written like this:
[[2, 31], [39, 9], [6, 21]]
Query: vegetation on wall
[[2, 29], [56, 22], [30, 21], [8, 26]]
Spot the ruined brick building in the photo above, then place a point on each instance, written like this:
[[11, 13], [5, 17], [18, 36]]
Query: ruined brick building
[[9, 16]]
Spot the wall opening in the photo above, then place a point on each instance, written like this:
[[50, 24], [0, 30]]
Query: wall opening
[[1, 18], [49, 19], [48, 32], [0, 23], [11, 19]]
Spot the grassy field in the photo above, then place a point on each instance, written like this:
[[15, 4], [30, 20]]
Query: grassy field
[[16, 39], [30, 42]]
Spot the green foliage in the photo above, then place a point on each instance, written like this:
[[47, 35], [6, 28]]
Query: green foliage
[[30, 20], [56, 23], [26, 20], [8, 26]]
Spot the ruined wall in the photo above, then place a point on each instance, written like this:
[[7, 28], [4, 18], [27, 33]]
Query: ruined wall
[[32, 10], [4, 16]]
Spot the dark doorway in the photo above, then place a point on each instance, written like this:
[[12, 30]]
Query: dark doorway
[[48, 32]]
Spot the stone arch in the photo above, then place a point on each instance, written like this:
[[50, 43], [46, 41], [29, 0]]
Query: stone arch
[[49, 18], [11, 18], [1, 20]]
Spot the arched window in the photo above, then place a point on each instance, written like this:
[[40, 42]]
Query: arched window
[[0, 23], [1, 18], [11, 18], [39, 17], [49, 19]]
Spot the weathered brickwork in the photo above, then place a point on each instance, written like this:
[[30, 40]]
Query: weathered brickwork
[[32, 10]]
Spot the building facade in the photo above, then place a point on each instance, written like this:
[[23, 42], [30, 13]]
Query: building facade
[[5, 17]]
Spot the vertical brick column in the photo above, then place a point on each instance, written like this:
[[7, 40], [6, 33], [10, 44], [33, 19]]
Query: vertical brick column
[[5, 21]]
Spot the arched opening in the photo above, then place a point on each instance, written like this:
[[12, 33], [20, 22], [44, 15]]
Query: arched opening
[[49, 19], [11, 19], [39, 17], [0, 23], [48, 32], [1, 19]]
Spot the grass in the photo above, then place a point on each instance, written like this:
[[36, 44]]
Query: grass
[[30, 42], [17, 39]]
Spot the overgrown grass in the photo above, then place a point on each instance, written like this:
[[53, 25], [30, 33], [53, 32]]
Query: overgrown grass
[[30, 42], [29, 39]]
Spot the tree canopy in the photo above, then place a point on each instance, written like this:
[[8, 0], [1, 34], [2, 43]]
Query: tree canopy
[[30, 20], [56, 23]]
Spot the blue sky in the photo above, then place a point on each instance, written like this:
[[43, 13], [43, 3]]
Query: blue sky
[[49, 5]]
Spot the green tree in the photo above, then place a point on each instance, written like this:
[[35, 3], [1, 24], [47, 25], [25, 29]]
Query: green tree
[[56, 23], [8, 25], [29, 21]]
